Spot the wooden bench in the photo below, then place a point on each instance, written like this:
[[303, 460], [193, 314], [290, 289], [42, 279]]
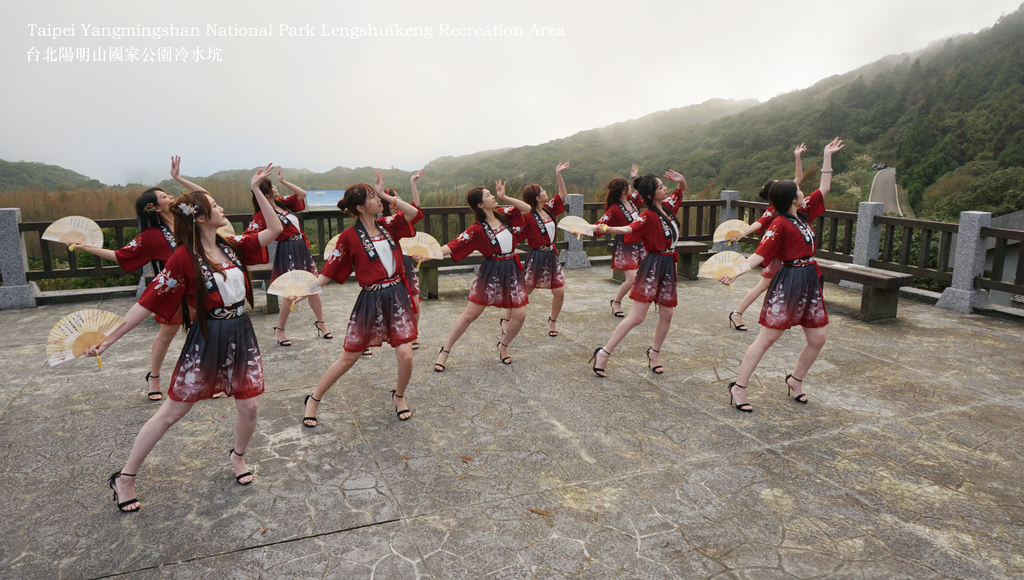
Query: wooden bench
[[881, 288], [428, 271], [689, 260]]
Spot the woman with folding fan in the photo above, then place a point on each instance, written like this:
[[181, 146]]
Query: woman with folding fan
[[292, 247], [794, 295], [620, 209], [384, 310], [208, 273], [655, 282]]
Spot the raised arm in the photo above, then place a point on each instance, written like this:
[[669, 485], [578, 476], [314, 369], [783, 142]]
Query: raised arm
[[274, 226], [176, 175], [678, 179], [826, 165], [561, 182], [499, 192], [412, 184], [298, 191], [799, 175], [398, 203]]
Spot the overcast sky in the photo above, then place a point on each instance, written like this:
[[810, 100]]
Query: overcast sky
[[445, 88]]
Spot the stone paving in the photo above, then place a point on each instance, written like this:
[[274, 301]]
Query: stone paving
[[906, 463]]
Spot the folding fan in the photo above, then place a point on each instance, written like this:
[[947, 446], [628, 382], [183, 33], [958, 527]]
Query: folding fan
[[722, 265], [730, 229], [226, 231], [75, 229], [295, 283], [76, 332], [422, 244], [330, 246], [576, 226]]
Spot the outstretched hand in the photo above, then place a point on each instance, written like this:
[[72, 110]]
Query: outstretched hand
[[800, 150], [95, 350], [561, 167], [261, 174], [499, 189], [280, 174], [175, 166], [416, 176], [634, 171], [378, 181], [834, 146], [675, 176]]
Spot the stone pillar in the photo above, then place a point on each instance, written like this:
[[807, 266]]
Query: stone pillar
[[968, 263], [575, 257], [869, 235], [147, 270], [729, 212], [16, 292]]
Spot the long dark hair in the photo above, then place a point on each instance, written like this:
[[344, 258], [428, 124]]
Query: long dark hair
[[618, 188], [531, 193], [186, 233], [267, 189], [782, 194], [355, 195], [647, 186], [474, 198], [147, 209], [387, 205]]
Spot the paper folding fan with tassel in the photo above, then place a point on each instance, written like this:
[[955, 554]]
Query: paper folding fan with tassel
[[295, 283], [576, 226], [729, 229], [330, 246], [76, 332], [722, 265], [76, 230], [422, 244]]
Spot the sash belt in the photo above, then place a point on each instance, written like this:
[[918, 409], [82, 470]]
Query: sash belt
[[503, 257]]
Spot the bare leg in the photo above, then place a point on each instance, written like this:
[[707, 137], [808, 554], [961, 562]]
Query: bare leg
[[765, 339], [334, 372], [626, 286], [168, 414], [815, 341], [316, 304], [282, 319], [158, 353], [508, 314], [416, 319], [664, 323], [757, 290], [245, 426], [468, 316], [557, 299], [635, 317], [518, 316], [404, 355]]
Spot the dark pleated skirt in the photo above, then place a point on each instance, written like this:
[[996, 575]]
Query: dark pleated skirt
[[655, 281], [543, 270], [794, 299], [626, 256], [229, 363], [292, 255], [380, 316], [499, 283], [410, 275]]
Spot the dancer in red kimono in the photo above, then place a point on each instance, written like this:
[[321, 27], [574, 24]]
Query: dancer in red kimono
[[499, 282], [292, 248], [794, 296], [220, 353], [736, 316], [658, 229], [384, 310], [620, 209], [543, 270]]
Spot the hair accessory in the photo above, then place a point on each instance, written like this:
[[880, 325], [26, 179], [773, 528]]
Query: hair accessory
[[150, 208], [186, 209]]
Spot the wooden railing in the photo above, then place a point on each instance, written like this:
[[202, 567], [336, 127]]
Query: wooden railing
[[993, 281], [834, 230], [915, 247]]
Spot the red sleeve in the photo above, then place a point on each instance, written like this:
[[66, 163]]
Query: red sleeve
[[396, 226], [258, 224], [338, 266], [636, 198], [612, 216], [465, 243], [293, 202], [674, 201], [814, 205], [416, 219], [638, 228], [771, 242], [554, 206], [517, 220], [139, 251], [250, 249], [163, 295], [766, 218]]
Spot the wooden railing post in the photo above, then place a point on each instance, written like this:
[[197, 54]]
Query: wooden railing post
[[968, 264], [575, 257], [17, 291], [729, 212]]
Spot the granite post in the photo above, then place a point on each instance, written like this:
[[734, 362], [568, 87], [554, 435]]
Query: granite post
[[729, 212], [968, 264], [574, 256], [17, 291], [869, 235]]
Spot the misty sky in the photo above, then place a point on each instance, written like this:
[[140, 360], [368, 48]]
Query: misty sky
[[319, 101]]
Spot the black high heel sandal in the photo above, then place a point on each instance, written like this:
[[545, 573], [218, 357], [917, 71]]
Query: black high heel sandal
[[123, 504], [802, 397], [406, 412], [438, 367], [597, 371], [616, 313], [285, 342], [501, 323], [238, 478], [732, 324], [657, 369], [313, 419], [745, 407], [326, 335], [159, 394], [552, 333], [506, 360]]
